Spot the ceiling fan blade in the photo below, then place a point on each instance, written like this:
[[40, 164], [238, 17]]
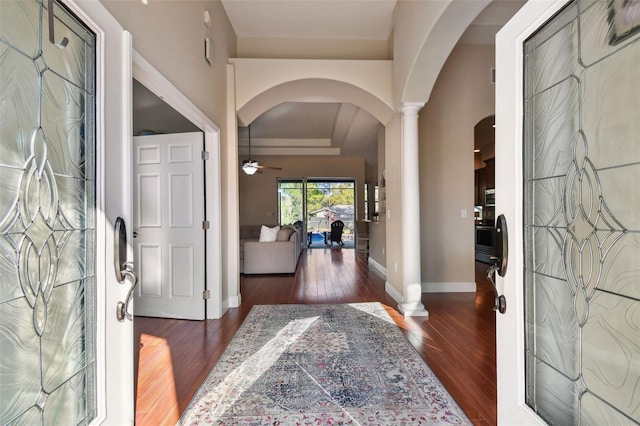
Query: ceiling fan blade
[[260, 166]]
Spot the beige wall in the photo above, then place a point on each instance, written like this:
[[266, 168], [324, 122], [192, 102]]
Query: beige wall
[[462, 96], [258, 193], [393, 191], [170, 35], [264, 83], [413, 21], [377, 229], [305, 48], [425, 32]]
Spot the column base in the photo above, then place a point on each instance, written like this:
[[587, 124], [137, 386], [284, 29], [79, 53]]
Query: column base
[[413, 310]]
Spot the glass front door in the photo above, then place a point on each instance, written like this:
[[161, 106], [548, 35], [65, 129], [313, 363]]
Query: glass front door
[[582, 215], [47, 216]]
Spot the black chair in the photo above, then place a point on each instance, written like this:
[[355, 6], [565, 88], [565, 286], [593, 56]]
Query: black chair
[[336, 232]]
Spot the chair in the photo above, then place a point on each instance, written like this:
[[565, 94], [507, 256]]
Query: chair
[[336, 232], [362, 237]]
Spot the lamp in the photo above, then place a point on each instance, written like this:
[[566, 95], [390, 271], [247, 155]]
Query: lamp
[[250, 167]]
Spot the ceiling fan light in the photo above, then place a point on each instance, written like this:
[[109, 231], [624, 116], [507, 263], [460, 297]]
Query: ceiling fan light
[[250, 167]]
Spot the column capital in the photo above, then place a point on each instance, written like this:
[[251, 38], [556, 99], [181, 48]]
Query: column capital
[[410, 108]]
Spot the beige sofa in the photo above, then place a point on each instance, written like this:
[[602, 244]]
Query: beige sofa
[[278, 257]]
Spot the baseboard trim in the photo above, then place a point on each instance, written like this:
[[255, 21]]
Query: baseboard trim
[[378, 267], [234, 301], [449, 287], [391, 291]]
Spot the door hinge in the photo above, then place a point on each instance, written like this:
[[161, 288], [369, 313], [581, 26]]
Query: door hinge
[[206, 294], [205, 155], [205, 224]]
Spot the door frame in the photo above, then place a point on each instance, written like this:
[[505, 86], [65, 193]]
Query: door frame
[[153, 80], [510, 350]]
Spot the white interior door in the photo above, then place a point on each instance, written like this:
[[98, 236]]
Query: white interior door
[[567, 150], [65, 357], [169, 238]]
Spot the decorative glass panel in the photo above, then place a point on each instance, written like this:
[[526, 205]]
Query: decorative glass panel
[[47, 218], [582, 215]]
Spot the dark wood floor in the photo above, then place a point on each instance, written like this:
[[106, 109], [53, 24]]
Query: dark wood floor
[[457, 340]]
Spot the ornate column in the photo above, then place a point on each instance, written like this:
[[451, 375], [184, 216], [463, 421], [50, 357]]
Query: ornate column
[[411, 273]]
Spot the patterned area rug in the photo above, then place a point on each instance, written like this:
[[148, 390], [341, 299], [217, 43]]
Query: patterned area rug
[[321, 365]]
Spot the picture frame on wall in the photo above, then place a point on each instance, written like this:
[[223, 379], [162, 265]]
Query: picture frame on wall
[[624, 20]]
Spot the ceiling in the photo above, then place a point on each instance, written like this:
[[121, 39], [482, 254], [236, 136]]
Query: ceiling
[[351, 131], [345, 19], [311, 19]]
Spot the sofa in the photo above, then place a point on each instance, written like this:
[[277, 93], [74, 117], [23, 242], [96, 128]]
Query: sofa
[[273, 257]]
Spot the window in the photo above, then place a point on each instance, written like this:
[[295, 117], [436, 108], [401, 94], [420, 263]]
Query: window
[[317, 202], [290, 205]]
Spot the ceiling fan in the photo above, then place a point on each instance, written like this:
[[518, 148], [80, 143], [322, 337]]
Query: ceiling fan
[[250, 166]]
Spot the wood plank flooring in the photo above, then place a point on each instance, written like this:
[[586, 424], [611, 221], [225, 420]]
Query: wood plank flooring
[[457, 340]]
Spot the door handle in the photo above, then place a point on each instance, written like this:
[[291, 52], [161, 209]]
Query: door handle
[[123, 268], [502, 242], [122, 308], [500, 263]]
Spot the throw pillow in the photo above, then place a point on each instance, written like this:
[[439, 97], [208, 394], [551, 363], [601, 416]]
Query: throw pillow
[[285, 233], [268, 235]]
